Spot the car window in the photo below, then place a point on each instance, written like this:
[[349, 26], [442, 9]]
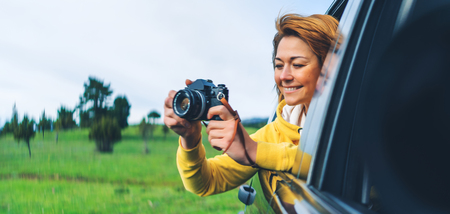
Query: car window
[[340, 169], [283, 195], [329, 125], [310, 135], [342, 177]]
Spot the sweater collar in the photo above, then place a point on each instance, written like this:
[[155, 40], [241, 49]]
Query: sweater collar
[[289, 129]]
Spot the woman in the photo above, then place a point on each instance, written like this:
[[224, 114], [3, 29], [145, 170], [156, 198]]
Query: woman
[[300, 47]]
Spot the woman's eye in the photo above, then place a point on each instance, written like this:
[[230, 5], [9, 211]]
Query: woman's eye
[[279, 66], [298, 65]]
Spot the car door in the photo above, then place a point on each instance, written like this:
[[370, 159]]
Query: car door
[[351, 170]]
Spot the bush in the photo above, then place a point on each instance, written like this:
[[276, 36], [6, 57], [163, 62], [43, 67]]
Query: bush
[[105, 132]]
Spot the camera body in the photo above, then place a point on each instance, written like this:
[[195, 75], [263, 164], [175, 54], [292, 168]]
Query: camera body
[[193, 102]]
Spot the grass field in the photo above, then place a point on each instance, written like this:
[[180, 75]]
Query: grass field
[[70, 177]]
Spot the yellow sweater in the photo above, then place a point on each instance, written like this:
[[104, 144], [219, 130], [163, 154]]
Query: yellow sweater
[[277, 149]]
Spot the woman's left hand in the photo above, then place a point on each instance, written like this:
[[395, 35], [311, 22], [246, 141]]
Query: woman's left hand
[[220, 135]]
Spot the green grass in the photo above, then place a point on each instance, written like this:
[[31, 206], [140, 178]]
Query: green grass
[[70, 177]]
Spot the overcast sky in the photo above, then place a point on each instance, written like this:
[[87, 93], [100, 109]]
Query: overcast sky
[[143, 48]]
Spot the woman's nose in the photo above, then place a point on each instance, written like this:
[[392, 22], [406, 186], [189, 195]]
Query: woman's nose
[[286, 74]]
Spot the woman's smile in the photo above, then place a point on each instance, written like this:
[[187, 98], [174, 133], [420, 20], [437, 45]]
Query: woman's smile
[[292, 89]]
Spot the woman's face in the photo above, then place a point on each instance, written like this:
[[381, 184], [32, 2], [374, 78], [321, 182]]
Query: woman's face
[[296, 70]]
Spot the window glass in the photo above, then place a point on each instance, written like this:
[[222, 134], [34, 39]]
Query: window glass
[[310, 135]]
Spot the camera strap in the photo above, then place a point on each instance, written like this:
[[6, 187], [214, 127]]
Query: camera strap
[[238, 130]]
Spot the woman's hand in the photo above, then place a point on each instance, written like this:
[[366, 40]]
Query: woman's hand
[[220, 135], [190, 131]]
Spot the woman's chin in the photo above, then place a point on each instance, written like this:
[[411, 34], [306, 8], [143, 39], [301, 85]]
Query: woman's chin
[[293, 102]]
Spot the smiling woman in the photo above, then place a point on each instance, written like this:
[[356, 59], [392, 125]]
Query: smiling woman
[[296, 71], [300, 47]]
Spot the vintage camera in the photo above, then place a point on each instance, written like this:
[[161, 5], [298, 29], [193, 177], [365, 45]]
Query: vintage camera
[[193, 102]]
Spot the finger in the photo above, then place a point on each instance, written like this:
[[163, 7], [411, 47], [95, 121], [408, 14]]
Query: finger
[[221, 129], [171, 122], [172, 93], [182, 122], [168, 103], [215, 135], [168, 113], [208, 129], [188, 82], [218, 144], [215, 124], [220, 110]]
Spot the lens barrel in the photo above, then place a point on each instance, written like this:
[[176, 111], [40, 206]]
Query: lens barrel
[[189, 104]]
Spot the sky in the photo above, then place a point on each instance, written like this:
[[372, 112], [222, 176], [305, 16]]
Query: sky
[[142, 48]]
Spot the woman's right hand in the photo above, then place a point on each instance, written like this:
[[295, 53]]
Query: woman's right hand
[[190, 131]]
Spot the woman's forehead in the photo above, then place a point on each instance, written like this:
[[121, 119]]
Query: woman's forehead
[[293, 47]]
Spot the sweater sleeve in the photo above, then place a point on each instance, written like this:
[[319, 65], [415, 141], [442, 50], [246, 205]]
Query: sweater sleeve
[[210, 176], [283, 157], [278, 150]]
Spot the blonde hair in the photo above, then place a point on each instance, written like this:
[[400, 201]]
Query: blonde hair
[[318, 31]]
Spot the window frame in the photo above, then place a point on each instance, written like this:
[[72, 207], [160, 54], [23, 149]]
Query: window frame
[[330, 184]]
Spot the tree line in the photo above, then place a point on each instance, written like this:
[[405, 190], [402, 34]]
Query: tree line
[[105, 122]]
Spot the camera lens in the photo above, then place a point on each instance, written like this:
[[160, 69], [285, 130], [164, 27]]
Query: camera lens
[[185, 104], [189, 104]]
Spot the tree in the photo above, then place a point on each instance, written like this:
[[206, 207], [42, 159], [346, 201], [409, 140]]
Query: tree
[[2, 130], [6, 128], [97, 92], [65, 117], [105, 132], [14, 125], [154, 115], [57, 126], [165, 131], [84, 115], [25, 131], [121, 111], [144, 130], [44, 123]]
